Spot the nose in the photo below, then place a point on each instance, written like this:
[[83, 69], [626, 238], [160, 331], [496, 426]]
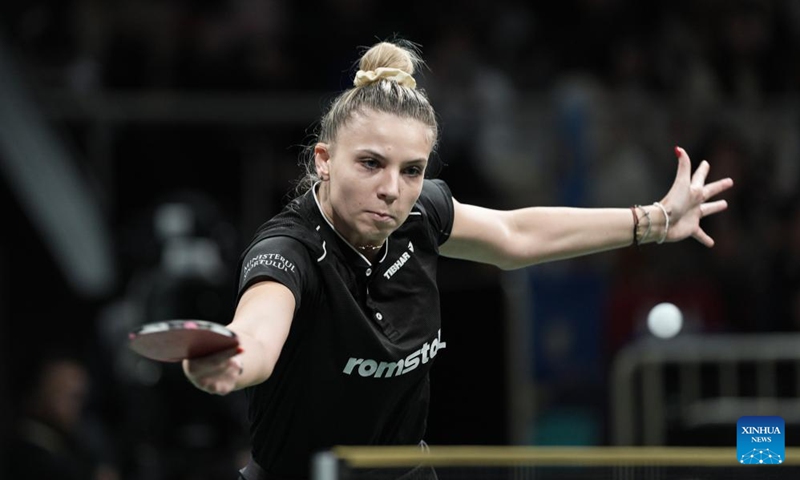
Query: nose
[[389, 186]]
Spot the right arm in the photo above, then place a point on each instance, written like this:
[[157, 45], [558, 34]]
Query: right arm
[[262, 321]]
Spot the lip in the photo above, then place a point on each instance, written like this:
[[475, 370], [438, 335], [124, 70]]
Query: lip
[[380, 216]]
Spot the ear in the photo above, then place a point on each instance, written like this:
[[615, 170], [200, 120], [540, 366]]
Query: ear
[[322, 157]]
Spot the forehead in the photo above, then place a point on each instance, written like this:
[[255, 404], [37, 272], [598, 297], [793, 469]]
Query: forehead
[[372, 129]]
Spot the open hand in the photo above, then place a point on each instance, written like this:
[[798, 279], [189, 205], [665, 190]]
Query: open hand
[[688, 200]]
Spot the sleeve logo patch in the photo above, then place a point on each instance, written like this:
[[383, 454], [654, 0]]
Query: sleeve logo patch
[[268, 260]]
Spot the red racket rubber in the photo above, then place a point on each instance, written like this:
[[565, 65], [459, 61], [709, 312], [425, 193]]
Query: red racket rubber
[[174, 340]]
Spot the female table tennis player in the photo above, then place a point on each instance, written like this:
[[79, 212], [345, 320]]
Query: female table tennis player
[[338, 310]]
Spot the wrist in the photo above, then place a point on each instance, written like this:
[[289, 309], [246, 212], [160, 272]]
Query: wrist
[[664, 214], [651, 223]]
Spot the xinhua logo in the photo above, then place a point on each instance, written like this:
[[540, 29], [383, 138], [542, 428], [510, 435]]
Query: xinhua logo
[[761, 440]]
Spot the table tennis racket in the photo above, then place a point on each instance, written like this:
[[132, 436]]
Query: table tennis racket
[[174, 340]]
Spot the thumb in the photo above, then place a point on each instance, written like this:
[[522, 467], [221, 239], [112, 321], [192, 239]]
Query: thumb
[[684, 165]]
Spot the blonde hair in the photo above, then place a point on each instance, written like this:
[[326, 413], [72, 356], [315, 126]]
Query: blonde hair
[[384, 83]]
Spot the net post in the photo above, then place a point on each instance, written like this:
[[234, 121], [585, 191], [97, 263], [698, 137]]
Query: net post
[[325, 466]]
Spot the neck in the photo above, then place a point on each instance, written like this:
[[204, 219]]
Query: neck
[[370, 251]]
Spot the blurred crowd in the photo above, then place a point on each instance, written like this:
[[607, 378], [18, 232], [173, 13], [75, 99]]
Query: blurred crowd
[[707, 50], [575, 102]]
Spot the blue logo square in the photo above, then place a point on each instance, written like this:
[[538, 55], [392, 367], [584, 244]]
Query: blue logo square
[[761, 440]]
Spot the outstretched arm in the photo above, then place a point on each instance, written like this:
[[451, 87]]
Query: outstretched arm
[[517, 238], [262, 321]]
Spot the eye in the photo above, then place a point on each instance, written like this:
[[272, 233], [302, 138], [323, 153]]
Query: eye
[[415, 171], [370, 163]]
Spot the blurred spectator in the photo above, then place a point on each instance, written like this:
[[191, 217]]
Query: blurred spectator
[[52, 439]]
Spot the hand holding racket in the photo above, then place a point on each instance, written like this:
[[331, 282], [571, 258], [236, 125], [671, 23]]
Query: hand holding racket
[[209, 351], [175, 340]]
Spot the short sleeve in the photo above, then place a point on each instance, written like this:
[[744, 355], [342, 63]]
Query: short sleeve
[[281, 259], [437, 202]]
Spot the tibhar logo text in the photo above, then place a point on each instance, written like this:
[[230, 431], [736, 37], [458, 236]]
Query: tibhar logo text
[[397, 265], [373, 368]]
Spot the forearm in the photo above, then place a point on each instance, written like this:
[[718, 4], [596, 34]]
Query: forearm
[[255, 359], [541, 234], [262, 322]]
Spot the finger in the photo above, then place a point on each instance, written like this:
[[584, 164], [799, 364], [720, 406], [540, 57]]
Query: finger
[[210, 372], [217, 386], [237, 366], [201, 366], [220, 382], [216, 359], [684, 165], [711, 208], [231, 367], [226, 383], [212, 364], [223, 389], [699, 177], [715, 188], [225, 354], [703, 238]]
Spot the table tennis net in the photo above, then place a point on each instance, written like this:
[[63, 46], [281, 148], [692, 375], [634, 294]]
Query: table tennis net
[[545, 463]]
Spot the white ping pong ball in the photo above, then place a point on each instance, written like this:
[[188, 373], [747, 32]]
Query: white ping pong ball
[[665, 320]]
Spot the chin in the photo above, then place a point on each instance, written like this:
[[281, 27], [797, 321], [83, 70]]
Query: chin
[[371, 230]]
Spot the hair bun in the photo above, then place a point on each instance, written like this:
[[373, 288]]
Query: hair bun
[[368, 77]]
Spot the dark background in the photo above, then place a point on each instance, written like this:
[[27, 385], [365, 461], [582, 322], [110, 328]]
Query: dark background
[[209, 104]]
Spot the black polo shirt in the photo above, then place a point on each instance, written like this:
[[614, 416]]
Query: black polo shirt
[[354, 368]]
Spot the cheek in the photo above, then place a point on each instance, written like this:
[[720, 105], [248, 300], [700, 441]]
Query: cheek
[[415, 191], [346, 196], [409, 198]]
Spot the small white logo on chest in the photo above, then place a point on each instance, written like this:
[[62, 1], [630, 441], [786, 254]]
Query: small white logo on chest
[[397, 265]]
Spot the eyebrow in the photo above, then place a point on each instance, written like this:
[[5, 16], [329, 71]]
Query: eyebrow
[[373, 153]]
